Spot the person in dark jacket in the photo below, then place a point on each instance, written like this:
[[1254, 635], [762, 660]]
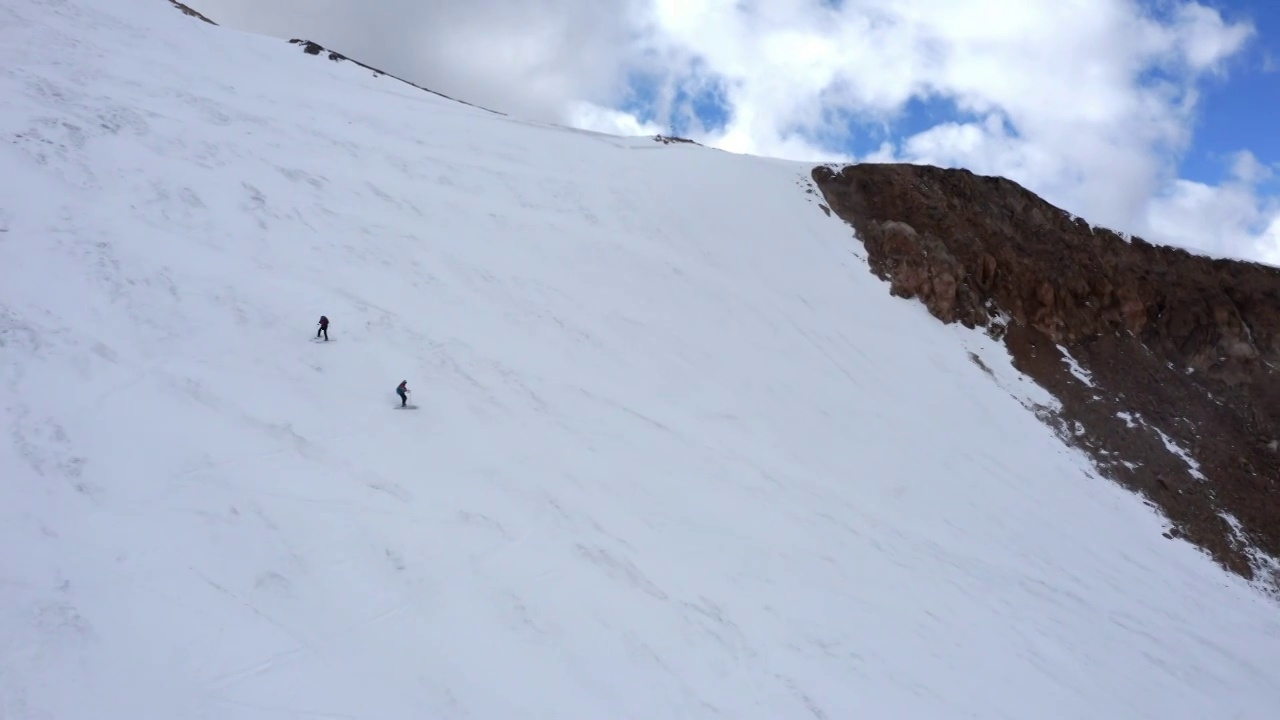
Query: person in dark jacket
[[403, 391], [324, 328]]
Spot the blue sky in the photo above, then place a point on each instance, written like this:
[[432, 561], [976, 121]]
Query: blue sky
[[1242, 110]]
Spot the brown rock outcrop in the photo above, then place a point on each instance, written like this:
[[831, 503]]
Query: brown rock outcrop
[[1181, 350]]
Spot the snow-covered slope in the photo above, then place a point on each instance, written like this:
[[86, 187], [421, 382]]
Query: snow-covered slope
[[677, 453]]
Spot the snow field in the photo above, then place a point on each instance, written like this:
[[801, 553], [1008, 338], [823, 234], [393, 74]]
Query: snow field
[[678, 454]]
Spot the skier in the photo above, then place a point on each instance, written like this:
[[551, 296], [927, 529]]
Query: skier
[[403, 391], [324, 328]]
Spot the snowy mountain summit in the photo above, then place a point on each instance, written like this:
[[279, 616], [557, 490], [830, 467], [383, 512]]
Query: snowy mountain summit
[[678, 451]]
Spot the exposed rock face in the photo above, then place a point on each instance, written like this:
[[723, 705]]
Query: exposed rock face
[[1176, 350], [184, 8]]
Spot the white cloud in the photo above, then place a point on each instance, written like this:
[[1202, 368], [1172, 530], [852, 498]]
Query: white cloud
[[1089, 103], [1267, 249], [1246, 168], [1215, 219], [1204, 38], [533, 58], [588, 116]]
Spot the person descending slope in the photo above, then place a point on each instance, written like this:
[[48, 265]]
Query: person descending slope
[[403, 391], [324, 328]]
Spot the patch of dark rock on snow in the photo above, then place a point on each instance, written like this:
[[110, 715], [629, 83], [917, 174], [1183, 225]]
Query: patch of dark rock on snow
[[1171, 384], [191, 12], [669, 139]]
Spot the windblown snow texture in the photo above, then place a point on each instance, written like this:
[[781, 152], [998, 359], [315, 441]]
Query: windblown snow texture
[[679, 454]]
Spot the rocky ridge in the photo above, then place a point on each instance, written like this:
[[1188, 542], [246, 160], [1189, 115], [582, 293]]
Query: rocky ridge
[[1164, 361]]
